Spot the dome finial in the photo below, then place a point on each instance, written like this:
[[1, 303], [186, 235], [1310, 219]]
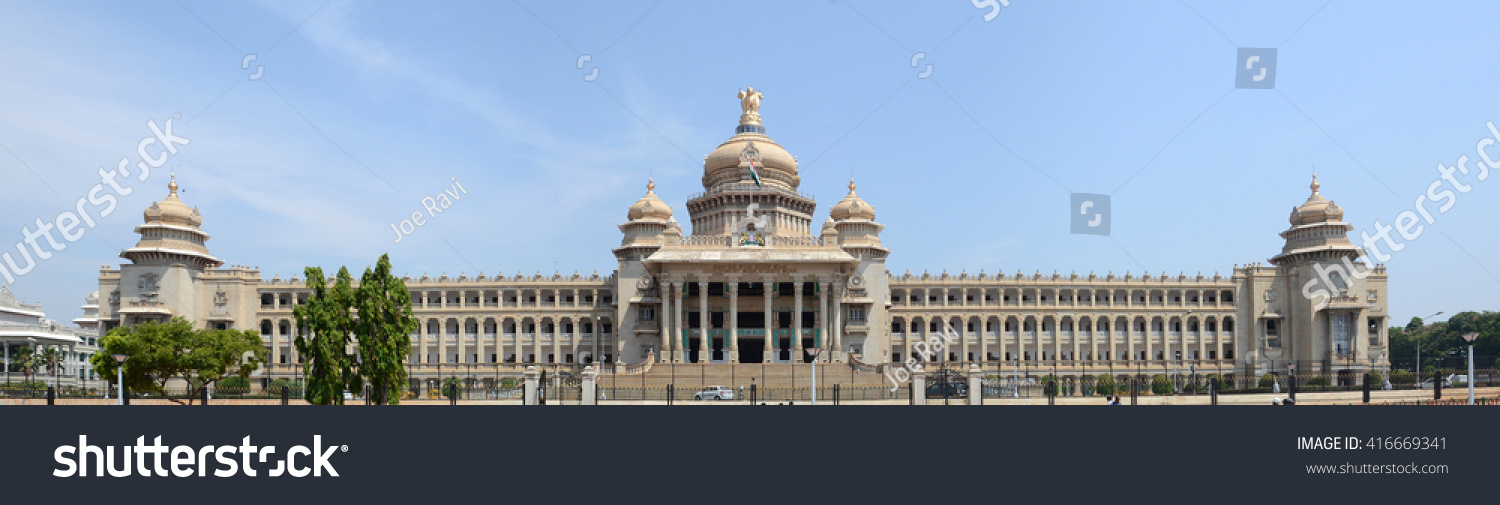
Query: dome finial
[[851, 184], [1315, 184], [173, 185], [651, 184]]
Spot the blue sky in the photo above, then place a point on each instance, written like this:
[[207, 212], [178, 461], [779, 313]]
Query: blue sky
[[363, 109]]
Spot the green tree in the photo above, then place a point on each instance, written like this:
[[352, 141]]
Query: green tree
[[50, 359], [384, 329], [329, 319], [160, 352], [26, 359]]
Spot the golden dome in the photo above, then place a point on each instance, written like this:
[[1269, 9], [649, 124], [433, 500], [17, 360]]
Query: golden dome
[[650, 207], [852, 207], [730, 162], [172, 211], [1316, 209]]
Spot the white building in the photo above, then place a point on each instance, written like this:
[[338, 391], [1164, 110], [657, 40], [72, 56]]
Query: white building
[[25, 325], [755, 281]]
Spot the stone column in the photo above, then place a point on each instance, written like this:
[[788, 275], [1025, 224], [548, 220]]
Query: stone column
[[1150, 324], [796, 339], [577, 336], [770, 337], [292, 333], [275, 357], [983, 321], [589, 395], [529, 395], [598, 358], [668, 342], [704, 326], [823, 319], [679, 321], [463, 335], [834, 348], [536, 340], [557, 334], [731, 339], [976, 383], [919, 384]]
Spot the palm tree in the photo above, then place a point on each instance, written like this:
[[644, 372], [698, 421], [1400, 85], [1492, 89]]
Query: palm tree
[[25, 359], [51, 359]]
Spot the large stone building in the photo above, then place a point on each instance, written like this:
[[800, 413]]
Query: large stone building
[[760, 279]]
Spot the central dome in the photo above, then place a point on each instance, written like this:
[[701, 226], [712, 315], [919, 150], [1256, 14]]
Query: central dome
[[731, 162]]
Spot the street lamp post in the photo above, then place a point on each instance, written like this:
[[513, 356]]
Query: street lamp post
[[120, 377], [813, 351], [1418, 341], [1470, 337]]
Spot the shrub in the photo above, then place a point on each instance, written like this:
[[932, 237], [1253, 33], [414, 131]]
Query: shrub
[[1376, 379], [23, 385], [1402, 377], [448, 384], [232, 385], [1105, 385], [1316, 381], [508, 382], [1267, 380], [1161, 385], [1049, 385]]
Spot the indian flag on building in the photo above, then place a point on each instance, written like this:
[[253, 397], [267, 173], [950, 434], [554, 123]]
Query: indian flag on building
[[755, 174]]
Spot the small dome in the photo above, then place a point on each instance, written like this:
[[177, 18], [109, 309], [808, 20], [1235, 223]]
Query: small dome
[[852, 207], [92, 298], [172, 211], [650, 207], [1316, 209]]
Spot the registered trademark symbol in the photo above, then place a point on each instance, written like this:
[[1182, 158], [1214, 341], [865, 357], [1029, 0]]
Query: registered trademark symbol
[[344, 448], [177, 115]]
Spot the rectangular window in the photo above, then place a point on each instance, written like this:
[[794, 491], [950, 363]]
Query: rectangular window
[[856, 314], [1341, 334], [648, 313]]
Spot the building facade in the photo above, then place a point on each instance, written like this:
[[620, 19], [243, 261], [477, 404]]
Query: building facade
[[24, 325], [760, 279]]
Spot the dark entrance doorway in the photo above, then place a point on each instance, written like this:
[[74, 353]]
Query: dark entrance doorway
[[692, 350], [718, 349], [751, 350], [806, 343]]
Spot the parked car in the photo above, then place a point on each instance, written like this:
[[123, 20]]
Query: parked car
[[714, 393], [1427, 384]]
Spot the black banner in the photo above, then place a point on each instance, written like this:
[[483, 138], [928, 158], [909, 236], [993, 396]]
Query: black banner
[[685, 454]]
